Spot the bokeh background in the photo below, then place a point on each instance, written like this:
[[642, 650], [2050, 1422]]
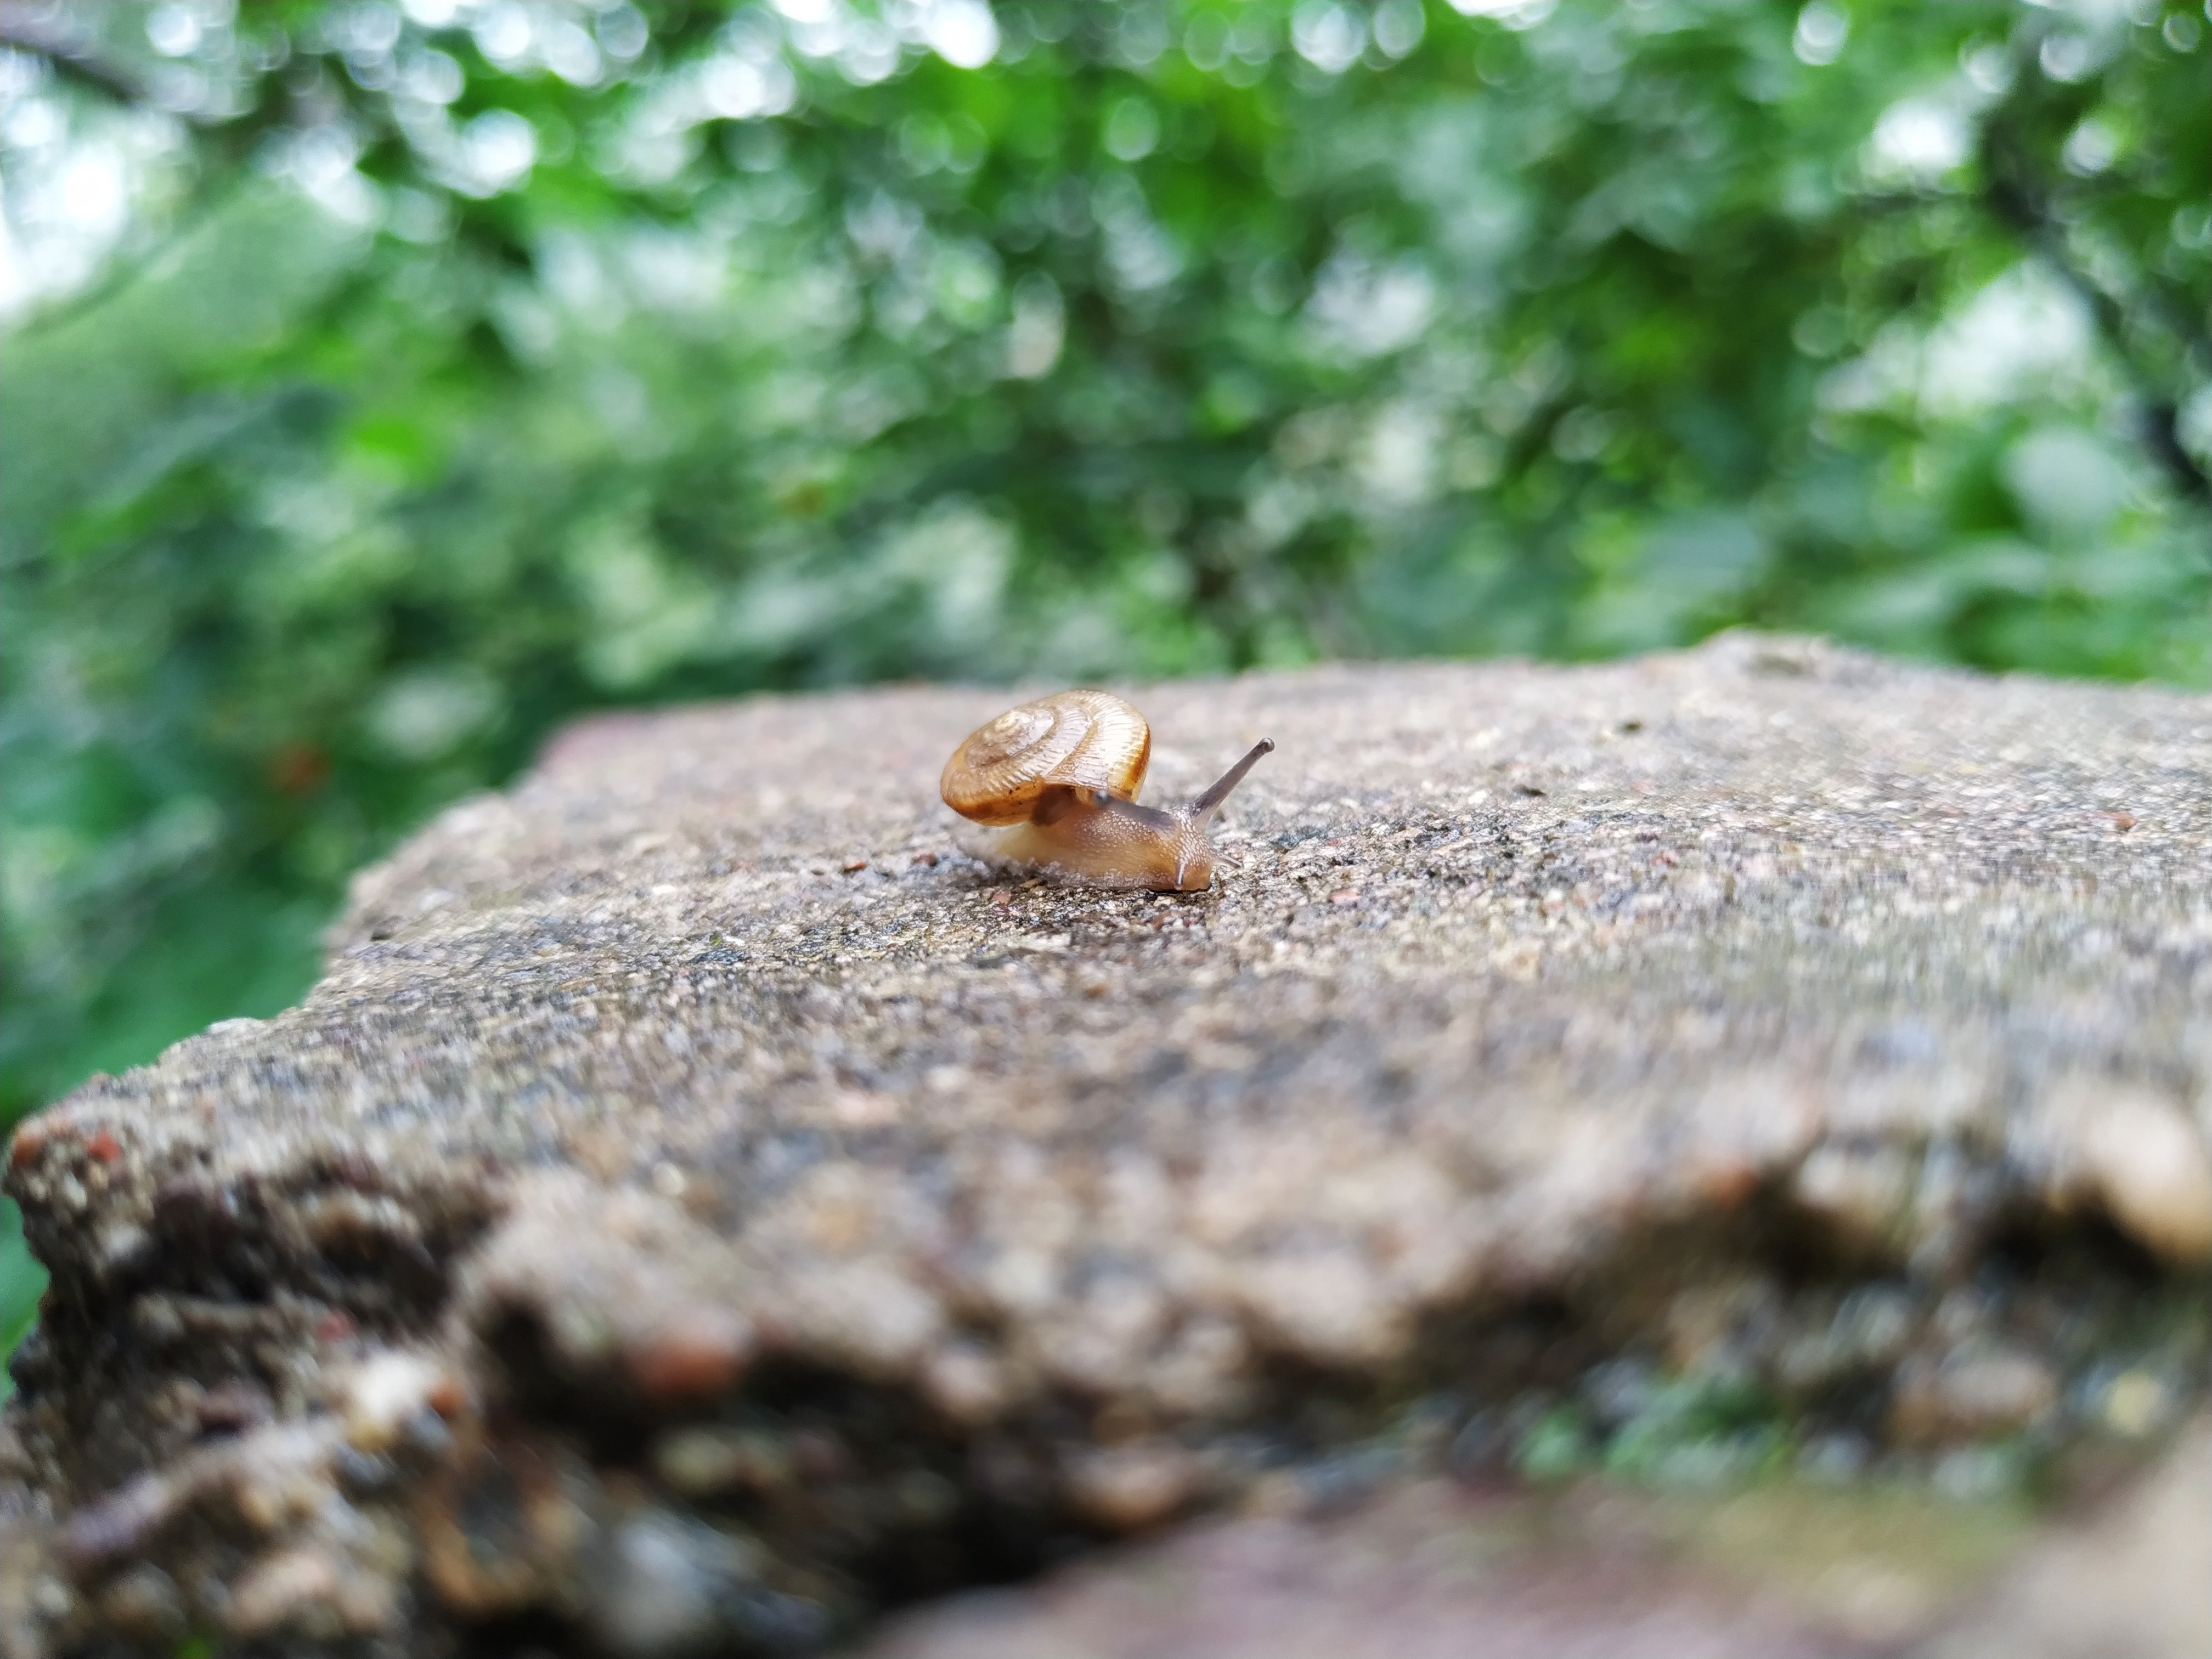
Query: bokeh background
[[383, 384]]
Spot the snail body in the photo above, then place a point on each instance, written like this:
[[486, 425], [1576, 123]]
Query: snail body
[[1056, 782]]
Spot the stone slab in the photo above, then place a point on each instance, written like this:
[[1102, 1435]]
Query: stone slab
[[696, 1193]]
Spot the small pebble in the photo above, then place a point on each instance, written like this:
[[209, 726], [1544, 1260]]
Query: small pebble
[[382, 1394], [1861, 1193], [700, 1354], [965, 1381], [2148, 1164], [1127, 1487]]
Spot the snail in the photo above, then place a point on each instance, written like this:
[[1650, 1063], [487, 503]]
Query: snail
[[1057, 782]]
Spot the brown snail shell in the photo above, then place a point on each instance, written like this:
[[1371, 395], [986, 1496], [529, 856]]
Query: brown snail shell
[[1075, 739]]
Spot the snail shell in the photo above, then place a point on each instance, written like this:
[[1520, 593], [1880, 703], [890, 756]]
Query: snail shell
[[1072, 739]]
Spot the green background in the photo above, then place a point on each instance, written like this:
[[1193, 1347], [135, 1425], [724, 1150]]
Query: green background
[[439, 372]]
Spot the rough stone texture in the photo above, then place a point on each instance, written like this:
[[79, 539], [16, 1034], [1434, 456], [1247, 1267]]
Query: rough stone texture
[[698, 1206]]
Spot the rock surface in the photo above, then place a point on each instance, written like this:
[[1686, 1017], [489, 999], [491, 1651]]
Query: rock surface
[[699, 1206]]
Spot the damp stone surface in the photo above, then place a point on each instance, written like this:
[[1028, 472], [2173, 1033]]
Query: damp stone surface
[[701, 1209]]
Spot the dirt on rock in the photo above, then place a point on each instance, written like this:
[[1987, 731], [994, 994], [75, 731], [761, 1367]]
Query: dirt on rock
[[700, 1207]]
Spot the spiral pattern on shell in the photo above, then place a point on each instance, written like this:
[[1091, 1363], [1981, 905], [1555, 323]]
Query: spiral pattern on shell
[[1085, 739]]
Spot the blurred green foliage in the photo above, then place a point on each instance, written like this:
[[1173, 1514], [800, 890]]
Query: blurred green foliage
[[386, 384]]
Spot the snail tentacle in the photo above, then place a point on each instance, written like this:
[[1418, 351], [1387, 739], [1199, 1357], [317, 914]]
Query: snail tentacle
[[1209, 803]]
